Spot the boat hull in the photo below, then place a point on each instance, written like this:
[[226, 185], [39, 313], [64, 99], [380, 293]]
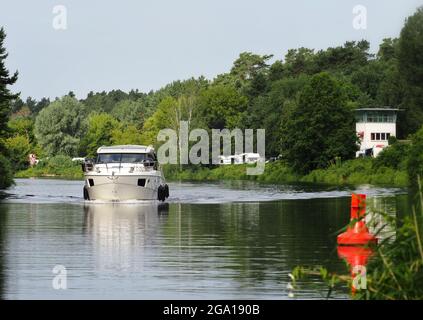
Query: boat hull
[[123, 188]]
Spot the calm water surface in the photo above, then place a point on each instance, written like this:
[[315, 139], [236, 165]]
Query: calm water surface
[[228, 240]]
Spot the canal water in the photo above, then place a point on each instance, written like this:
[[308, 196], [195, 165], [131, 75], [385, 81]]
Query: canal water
[[224, 240]]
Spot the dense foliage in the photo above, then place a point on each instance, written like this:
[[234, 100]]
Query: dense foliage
[[320, 128], [415, 159], [396, 271], [60, 126], [410, 62]]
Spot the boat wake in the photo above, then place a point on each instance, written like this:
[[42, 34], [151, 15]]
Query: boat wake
[[67, 191]]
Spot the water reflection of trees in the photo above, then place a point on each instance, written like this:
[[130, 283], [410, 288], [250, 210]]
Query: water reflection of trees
[[257, 242]]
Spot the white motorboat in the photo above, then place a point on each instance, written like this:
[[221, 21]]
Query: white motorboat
[[127, 172]]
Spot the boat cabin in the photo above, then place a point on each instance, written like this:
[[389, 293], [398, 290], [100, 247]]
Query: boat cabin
[[125, 154]]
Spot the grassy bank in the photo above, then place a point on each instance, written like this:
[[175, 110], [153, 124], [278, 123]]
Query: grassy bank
[[357, 171]]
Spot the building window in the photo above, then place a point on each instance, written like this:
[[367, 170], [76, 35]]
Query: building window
[[380, 136], [377, 116], [360, 117]]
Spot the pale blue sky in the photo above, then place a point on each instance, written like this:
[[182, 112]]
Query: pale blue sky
[[145, 44]]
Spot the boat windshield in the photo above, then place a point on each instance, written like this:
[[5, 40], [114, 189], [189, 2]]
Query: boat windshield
[[123, 157]]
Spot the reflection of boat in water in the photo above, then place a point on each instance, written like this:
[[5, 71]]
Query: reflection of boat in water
[[113, 216], [122, 173], [121, 232]]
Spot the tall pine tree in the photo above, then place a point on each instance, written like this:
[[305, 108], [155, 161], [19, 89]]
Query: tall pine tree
[[6, 98]]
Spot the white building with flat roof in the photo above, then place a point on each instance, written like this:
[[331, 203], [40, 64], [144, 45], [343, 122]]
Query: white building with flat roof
[[374, 126]]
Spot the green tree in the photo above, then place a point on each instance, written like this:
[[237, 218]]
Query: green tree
[[221, 106], [104, 101], [39, 105], [320, 128], [19, 148], [23, 126], [266, 110], [410, 59], [388, 49], [344, 59], [176, 89], [131, 112], [60, 126], [277, 71], [21, 141], [300, 61], [415, 158], [127, 134], [169, 114], [368, 79], [410, 48], [392, 88], [247, 68], [6, 98], [16, 105], [99, 133]]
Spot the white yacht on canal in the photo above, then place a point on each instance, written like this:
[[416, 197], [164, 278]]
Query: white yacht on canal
[[121, 173]]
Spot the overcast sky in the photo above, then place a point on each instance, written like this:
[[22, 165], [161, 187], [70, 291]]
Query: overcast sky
[[143, 45]]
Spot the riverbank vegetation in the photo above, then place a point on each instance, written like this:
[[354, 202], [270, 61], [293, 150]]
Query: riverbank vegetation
[[55, 167], [351, 172], [305, 102]]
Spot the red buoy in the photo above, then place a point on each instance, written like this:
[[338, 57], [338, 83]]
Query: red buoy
[[358, 234], [355, 256], [358, 201]]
